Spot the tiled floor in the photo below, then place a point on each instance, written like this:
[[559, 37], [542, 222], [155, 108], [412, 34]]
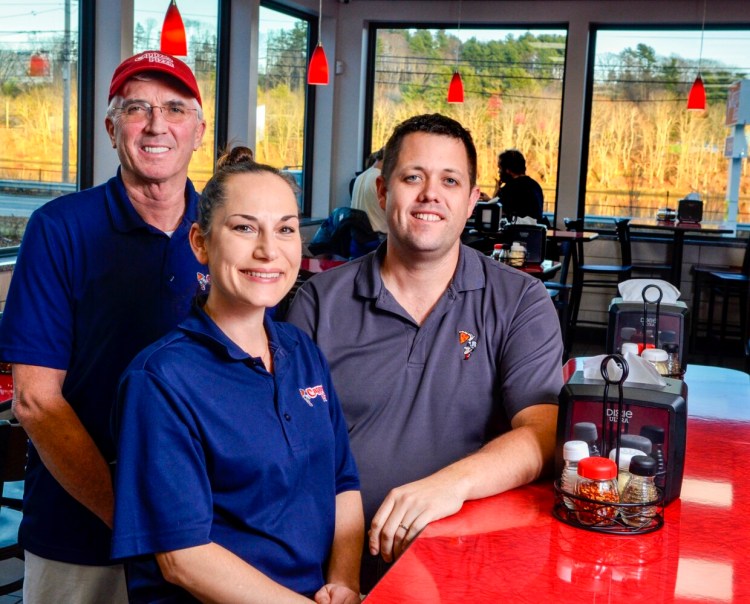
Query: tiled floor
[[9, 570]]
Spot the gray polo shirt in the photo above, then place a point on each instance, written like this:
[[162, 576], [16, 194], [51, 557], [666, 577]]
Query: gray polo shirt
[[418, 398]]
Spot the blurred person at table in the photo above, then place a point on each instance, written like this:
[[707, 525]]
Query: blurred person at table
[[448, 365], [365, 194], [235, 481], [519, 194], [101, 274]]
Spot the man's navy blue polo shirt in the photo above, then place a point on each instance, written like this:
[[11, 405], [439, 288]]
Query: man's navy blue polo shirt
[[93, 285], [217, 449]]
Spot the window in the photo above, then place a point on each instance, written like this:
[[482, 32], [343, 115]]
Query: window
[[38, 108], [284, 115], [201, 25], [512, 83], [646, 151]]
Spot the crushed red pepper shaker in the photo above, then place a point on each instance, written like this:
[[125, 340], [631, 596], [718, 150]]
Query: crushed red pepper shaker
[[597, 482]]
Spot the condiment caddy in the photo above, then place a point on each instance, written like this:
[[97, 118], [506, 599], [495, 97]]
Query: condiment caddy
[[593, 498]]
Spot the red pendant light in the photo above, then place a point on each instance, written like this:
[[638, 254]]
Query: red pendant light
[[38, 66], [173, 33], [697, 96], [317, 71], [456, 89]]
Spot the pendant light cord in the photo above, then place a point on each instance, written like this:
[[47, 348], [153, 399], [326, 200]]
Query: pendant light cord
[[458, 33], [703, 29], [320, 23]]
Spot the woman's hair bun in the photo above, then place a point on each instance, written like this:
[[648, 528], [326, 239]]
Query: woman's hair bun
[[232, 157]]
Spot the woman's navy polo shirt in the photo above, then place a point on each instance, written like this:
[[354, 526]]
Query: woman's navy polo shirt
[[214, 448], [93, 285]]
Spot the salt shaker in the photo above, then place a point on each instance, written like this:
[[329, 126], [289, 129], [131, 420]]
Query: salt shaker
[[573, 452]]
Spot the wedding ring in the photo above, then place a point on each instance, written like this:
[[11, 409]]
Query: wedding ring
[[406, 528]]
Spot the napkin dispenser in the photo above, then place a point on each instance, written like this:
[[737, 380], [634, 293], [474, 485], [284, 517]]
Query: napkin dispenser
[[533, 235], [627, 324], [660, 414], [690, 210], [486, 216]]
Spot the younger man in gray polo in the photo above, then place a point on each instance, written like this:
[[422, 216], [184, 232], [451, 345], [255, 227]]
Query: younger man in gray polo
[[420, 396]]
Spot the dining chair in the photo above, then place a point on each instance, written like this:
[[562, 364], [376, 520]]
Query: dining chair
[[723, 282], [598, 276], [559, 292], [13, 448], [346, 232], [655, 270]]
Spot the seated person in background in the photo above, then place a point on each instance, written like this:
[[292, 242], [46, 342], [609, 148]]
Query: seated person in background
[[448, 364], [365, 194], [235, 481], [520, 194]]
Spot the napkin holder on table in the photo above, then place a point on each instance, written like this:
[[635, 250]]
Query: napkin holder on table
[[629, 323], [649, 409]]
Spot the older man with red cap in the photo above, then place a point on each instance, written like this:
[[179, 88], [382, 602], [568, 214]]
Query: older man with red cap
[[101, 274]]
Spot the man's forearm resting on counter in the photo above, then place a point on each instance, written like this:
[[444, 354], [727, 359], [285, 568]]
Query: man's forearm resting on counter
[[510, 460]]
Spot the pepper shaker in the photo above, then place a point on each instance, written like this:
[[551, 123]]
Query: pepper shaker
[[640, 489]]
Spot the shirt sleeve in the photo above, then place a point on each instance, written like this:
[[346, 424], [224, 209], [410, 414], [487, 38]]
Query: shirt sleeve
[[163, 497], [531, 360], [37, 325], [304, 310]]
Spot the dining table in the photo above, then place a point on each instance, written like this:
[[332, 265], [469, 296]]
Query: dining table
[[680, 229], [511, 548], [544, 270]]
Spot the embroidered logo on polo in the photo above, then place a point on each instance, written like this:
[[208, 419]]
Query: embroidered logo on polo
[[203, 280], [312, 393], [468, 341]]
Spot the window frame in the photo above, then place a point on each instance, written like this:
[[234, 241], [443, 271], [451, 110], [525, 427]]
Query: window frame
[[86, 45], [369, 99], [309, 120], [594, 29]]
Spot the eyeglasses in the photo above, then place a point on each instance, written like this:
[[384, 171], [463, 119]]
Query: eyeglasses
[[140, 111]]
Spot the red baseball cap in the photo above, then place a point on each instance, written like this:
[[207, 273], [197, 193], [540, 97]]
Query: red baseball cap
[[153, 60]]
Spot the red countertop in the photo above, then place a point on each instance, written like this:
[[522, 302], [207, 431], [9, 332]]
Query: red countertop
[[509, 548], [6, 386]]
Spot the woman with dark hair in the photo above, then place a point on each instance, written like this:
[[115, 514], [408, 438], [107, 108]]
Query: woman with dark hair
[[234, 480]]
